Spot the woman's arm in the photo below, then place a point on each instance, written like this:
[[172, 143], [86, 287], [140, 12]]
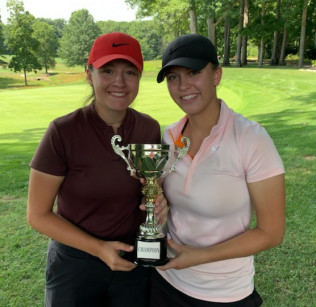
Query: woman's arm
[[43, 189], [268, 199]]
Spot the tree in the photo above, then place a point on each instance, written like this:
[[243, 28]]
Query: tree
[[226, 41], [288, 22], [1, 37], [172, 15], [58, 25], [21, 43], [303, 31], [147, 32], [192, 13], [274, 56], [240, 26], [78, 37], [47, 51], [211, 16], [269, 22], [262, 42], [244, 38]]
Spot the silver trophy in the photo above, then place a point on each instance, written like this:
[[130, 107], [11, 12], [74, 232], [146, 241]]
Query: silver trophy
[[152, 162]]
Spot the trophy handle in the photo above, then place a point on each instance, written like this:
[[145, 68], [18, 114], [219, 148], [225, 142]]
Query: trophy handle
[[119, 151], [182, 152]]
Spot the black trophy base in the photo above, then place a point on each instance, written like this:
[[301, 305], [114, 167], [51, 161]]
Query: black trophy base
[[151, 252]]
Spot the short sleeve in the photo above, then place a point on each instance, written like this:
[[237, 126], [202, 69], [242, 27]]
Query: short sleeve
[[261, 159], [50, 155]]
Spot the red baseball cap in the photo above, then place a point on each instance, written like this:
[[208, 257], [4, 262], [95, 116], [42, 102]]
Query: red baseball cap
[[113, 46]]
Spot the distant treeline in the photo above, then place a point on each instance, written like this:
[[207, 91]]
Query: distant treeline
[[266, 30]]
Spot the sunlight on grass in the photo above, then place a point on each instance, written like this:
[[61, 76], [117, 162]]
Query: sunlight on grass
[[282, 100]]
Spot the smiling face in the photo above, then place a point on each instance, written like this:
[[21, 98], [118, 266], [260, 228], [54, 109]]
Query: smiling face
[[115, 85], [194, 91]]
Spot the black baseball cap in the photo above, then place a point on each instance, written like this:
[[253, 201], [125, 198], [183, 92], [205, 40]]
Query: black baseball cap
[[192, 51]]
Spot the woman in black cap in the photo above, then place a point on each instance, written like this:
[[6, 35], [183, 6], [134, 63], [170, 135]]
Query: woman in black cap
[[98, 215], [231, 170]]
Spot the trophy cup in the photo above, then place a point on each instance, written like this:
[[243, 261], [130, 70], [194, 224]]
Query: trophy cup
[[152, 162]]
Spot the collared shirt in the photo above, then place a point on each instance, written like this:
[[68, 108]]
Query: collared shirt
[[210, 203], [98, 194]]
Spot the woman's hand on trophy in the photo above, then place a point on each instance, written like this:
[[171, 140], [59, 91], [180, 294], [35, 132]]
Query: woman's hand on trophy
[[161, 209], [110, 254], [185, 256]]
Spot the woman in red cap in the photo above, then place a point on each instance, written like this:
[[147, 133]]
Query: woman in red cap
[[232, 169], [98, 216]]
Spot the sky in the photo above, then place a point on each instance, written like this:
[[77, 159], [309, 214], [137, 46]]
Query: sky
[[104, 10]]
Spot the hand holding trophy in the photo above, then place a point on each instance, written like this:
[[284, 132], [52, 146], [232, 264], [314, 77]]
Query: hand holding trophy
[[152, 162]]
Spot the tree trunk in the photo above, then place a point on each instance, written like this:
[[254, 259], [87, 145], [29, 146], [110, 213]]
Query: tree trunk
[[240, 25], [273, 60], [193, 22], [211, 29], [226, 42], [274, 55], [261, 52], [244, 37], [284, 42], [25, 79], [303, 30], [261, 47]]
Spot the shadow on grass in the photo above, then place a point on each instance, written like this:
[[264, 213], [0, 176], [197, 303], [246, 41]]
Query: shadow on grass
[[293, 126], [28, 135], [6, 83]]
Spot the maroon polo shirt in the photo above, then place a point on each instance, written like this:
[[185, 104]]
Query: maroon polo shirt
[[98, 194]]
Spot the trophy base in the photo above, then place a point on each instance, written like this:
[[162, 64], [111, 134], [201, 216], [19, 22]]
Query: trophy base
[[151, 252]]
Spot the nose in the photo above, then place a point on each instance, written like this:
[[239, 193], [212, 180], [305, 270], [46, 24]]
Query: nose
[[184, 83], [119, 79]]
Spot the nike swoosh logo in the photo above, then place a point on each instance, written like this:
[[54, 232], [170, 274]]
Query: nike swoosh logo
[[117, 45], [171, 51]]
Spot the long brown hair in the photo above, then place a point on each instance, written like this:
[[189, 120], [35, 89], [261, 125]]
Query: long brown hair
[[91, 97]]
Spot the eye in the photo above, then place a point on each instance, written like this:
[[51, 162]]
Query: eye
[[194, 72], [171, 77], [131, 73], [106, 70]]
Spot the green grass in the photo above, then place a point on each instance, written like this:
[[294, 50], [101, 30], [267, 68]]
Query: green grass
[[282, 100], [57, 76]]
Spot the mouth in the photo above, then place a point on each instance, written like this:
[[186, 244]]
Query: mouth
[[188, 98], [118, 94]]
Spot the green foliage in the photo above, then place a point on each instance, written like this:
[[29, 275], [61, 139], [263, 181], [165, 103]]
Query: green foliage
[[78, 37], [58, 25], [1, 37], [147, 32], [292, 57], [47, 51], [172, 15], [20, 40]]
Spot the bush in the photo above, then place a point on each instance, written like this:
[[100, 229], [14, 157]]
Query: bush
[[292, 57]]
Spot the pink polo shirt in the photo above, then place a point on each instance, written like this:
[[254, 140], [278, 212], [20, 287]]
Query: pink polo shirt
[[210, 203]]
